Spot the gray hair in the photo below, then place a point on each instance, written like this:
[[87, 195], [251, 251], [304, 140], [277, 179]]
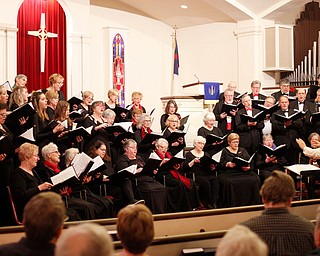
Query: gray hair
[[69, 154], [198, 139], [161, 141], [238, 242], [141, 119], [85, 239], [108, 112], [47, 149], [209, 116]]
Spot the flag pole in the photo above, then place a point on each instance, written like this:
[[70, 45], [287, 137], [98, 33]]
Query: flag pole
[[174, 37]]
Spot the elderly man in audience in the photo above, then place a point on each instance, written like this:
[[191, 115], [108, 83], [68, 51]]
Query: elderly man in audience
[[43, 220], [316, 235], [135, 230], [85, 239], [283, 232], [239, 241]]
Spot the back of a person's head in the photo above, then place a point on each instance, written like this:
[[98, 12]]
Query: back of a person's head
[[86, 239], [278, 188], [241, 241], [135, 228], [43, 216]]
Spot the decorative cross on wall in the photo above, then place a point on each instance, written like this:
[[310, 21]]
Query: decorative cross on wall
[[43, 34]]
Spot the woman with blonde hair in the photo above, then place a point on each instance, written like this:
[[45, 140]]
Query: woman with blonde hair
[[53, 99], [18, 97], [55, 83], [239, 185]]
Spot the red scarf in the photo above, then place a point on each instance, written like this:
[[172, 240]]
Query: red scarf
[[174, 172], [144, 132], [53, 167], [135, 106]]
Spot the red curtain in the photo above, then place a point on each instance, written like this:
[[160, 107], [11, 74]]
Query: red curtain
[[28, 52]]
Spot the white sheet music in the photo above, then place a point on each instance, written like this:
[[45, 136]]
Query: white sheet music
[[63, 176], [179, 154], [154, 155], [216, 157], [124, 125], [97, 162], [80, 162], [132, 169], [28, 134], [298, 168]]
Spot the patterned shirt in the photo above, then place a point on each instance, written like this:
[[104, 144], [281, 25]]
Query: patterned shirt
[[283, 232]]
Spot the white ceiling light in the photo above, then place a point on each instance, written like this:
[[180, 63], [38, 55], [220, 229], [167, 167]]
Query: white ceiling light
[[183, 6]]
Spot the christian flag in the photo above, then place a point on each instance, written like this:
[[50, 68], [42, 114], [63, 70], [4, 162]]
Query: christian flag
[[176, 59]]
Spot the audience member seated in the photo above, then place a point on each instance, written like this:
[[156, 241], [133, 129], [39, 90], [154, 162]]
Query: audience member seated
[[135, 230], [43, 219], [145, 186], [239, 185], [25, 181], [170, 109], [283, 232], [203, 173], [55, 83], [316, 252], [182, 194], [241, 241], [85, 239], [267, 164], [209, 128]]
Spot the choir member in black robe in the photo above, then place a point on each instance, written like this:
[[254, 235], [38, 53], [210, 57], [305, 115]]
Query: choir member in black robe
[[143, 128], [4, 97], [176, 144], [239, 186], [232, 86], [249, 132], [18, 97], [287, 132], [119, 189], [226, 121], [255, 91], [315, 124], [136, 103], [91, 208], [98, 122], [268, 163], [182, 194], [145, 186], [85, 106], [25, 181], [203, 173], [209, 128], [53, 99], [55, 83], [170, 109], [284, 90], [40, 120]]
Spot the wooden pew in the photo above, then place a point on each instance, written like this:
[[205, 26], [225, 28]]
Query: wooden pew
[[187, 222]]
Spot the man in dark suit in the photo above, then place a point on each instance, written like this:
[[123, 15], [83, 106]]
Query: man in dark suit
[[232, 86], [249, 132], [284, 90], [255, 91], [226, 121], [286, 132], [302, 104]]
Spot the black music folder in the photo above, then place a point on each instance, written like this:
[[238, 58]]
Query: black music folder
[[293, 117], [256, 118], [26, 111], [175, 135], [278, 151], [240, 162], [6, 146], [74, 101], [176, 159], [315, 117], [152, 164], [80, 131], [151, 137], [227, 108], [212, 138]]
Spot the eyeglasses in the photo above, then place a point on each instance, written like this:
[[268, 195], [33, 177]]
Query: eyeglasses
[[56, 151], [147, 120], [3, 114], [173, 121], [163, 147]]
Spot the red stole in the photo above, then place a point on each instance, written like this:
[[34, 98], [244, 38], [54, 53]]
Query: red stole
[[144, 132], [175, 173]]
